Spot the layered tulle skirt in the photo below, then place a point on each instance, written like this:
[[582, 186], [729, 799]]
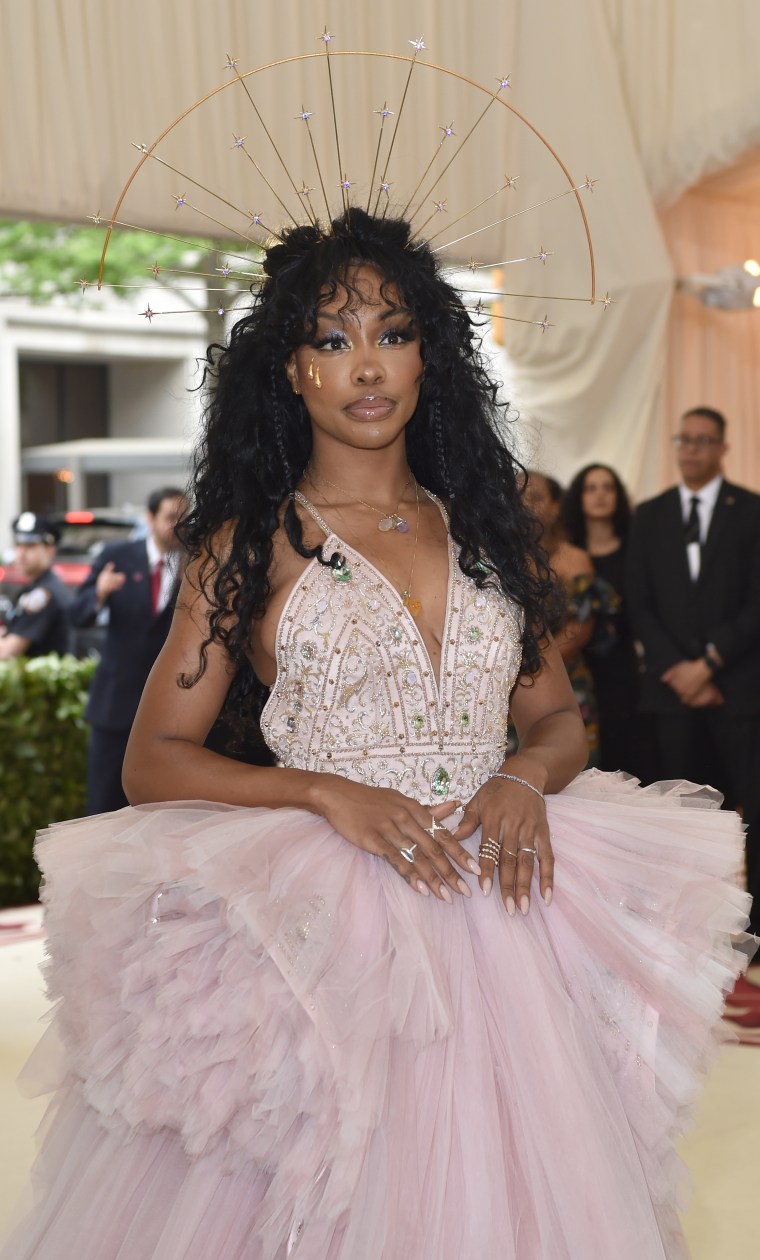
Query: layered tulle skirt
[[265, 1045]]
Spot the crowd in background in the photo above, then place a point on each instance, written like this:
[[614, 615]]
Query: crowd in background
[[657, 615], [585, 534]]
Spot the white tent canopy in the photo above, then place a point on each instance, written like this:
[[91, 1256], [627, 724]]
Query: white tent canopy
[[647, 97]]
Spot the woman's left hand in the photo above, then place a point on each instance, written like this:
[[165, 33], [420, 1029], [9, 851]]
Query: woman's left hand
[[514, 817]]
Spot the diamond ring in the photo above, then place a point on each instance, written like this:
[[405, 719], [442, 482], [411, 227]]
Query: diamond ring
[[408, 854]]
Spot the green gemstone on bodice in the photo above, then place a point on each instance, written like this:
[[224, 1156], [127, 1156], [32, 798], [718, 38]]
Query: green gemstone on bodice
[[440, 783], [342, 573], [418, 721]]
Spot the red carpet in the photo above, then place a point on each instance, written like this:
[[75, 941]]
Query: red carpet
[[743, 1008]]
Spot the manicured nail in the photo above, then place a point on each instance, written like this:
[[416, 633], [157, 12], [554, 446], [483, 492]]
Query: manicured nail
[[548, 896], [423, 888], [473, 866], [524, 904], [463, 888], [446, 894], [487, 885], [510, 907]]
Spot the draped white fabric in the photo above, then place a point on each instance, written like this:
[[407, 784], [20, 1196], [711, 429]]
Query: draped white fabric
[[646, 96]]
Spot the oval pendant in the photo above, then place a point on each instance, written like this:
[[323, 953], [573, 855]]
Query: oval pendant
[[413, 605], [402, 526], [385, 524], [440, 782]]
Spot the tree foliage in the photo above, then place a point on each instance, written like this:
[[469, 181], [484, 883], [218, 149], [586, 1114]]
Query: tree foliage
[[41, 261]]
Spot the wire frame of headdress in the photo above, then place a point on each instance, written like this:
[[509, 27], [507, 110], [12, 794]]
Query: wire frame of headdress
[[307, 137]]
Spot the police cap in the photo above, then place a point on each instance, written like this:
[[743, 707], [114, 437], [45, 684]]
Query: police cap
[[29, 527]]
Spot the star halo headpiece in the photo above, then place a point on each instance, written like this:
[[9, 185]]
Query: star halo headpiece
[[442, 204]]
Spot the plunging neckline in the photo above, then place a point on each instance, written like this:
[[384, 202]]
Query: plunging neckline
[[436, 676]]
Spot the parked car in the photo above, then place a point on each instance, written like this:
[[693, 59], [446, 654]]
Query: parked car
[[83, 536]]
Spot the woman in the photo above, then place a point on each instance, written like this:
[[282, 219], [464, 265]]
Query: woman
[[301, 1016], [574, 601], [596, 516]]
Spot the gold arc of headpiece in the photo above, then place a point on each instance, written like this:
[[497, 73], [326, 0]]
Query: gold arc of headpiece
[[383, 56]]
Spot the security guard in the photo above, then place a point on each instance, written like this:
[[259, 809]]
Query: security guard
[[38, 622]]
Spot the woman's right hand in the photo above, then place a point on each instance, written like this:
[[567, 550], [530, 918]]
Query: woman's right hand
[[384, 822]]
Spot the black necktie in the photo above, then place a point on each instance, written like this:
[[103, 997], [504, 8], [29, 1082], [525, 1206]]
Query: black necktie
[[691, 528]]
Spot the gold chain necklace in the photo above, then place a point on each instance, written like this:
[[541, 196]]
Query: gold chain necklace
[[389, 521], [410, 602], [413, 605]]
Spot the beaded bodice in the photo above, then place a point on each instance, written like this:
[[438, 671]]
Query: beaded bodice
[[356, 693]]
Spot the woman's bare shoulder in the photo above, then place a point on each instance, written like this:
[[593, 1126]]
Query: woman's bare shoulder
[[570, 561]]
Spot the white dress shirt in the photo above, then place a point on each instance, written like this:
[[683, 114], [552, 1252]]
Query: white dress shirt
[[706, 498]]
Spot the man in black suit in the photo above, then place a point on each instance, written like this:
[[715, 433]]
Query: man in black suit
[[137, 582], [694, 592]]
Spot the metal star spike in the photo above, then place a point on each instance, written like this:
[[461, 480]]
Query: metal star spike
[[231, 63], [148, 313], [417, 44], [239, 142], [505, 82]]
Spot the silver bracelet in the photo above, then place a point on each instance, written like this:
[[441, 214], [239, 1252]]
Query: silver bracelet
[[524, 782]]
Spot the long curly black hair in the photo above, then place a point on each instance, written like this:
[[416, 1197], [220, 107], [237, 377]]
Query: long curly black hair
[[256, 438], [571, 512]]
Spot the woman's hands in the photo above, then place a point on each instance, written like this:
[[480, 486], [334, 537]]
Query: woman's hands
[[389, 825], [514, 817]]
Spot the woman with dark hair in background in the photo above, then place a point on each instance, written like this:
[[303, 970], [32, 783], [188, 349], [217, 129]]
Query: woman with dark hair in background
[[301, 1015], [596, 516], [571, 611]]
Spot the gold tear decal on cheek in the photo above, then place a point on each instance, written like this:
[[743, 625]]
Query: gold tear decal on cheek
[[317, 381]]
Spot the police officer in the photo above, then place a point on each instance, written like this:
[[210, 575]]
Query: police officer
[[38, 622]]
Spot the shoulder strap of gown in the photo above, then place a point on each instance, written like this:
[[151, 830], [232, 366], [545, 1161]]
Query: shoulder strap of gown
[[439, 505], [310, 508]]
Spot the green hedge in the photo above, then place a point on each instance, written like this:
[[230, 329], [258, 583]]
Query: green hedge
[[43, 755]]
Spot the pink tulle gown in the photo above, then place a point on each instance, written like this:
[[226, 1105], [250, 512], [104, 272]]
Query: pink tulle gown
[[265, 1045]]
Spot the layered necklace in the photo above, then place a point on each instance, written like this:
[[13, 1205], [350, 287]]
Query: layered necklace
[[389, 521]]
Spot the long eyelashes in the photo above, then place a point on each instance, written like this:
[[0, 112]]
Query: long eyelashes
[[336, 340]]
